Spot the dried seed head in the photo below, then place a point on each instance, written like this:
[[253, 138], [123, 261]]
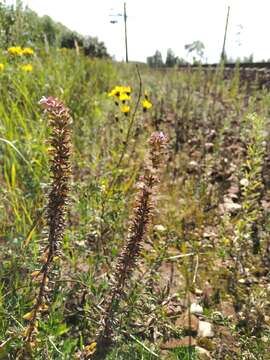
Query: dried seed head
[[60, 148], [158, 139], [138, 226], [158, 144]]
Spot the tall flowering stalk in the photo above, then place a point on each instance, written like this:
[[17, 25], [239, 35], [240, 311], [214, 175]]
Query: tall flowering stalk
[[142, 215], [60, 147]]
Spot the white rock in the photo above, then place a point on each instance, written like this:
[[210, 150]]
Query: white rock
[[159, 228], [198, 292], [244, 182], [205, 329], [242, 281], [193, 165], [196, 309], [230, 206]]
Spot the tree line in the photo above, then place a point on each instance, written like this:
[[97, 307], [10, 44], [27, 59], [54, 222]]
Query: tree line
[[22, 26], [196, 49], [195, 54]]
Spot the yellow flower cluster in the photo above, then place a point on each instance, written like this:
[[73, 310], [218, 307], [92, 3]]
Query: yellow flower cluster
[[146, 104], [26, 67], [118, 91], [27, 51], [122, 94], [18, 51], [15, 50]]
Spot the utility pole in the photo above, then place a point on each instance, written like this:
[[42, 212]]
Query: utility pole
[[114, 21], [225, 35], [125, 22]]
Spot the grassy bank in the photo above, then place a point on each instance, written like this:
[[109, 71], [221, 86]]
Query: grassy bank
[[209, 239]]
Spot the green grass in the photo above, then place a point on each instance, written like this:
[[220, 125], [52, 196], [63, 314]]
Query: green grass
[[187, 107]]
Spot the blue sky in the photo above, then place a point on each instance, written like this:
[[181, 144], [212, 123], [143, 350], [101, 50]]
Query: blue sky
[[159, 24]]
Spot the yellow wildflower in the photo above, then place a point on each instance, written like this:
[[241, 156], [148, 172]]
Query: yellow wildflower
[[146, 105], [26, 67], [2, 66], [15, 50], [120, 90], [27, 51], [124, 96], [43, 307], [125, 109], [35, 273], [90, 349], [126, 89], [29, 316], [116, 91]]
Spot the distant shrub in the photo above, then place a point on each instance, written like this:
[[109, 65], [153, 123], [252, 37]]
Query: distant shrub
[[69, 39], [93, 47]]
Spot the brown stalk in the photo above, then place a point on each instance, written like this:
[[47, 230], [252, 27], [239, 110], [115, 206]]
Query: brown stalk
[[59, 122], [140, 221]]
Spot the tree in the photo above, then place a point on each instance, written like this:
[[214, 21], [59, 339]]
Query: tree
[[171, 59], [7, 20], [48, 28], [94, 48], [247, 59], [155, 60], [69, 38], [181, 61], [197, 48], [22, 26]]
